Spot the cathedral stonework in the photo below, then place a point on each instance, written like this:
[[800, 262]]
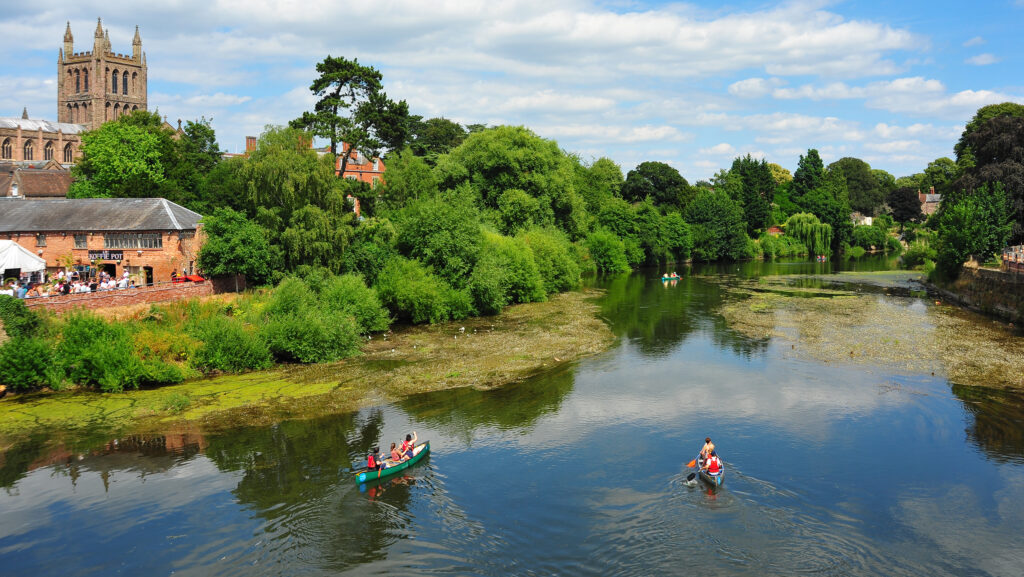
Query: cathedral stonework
[[94, 87]]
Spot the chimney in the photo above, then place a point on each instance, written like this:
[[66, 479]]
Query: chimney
[[931, 190], [250, 144]]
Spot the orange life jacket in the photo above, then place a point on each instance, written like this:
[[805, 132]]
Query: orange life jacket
[[714, 465]]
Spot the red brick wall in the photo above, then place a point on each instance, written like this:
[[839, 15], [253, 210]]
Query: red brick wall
[[175, 255], [117, 298]]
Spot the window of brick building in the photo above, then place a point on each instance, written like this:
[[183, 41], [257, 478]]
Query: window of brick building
[[48, 151], [5, 149], [133, 240], [81, 241], [28, 150], [124, 83], [40, 240], [68, 153]]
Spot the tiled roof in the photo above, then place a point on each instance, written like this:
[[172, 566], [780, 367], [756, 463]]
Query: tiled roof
[[29, 124], [94, 214], [35, 183]]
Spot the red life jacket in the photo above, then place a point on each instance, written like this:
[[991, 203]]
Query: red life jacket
[[714, 465], [371, 462]]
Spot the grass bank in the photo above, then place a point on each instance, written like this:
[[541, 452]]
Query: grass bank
[[481, 352], [844, 319]]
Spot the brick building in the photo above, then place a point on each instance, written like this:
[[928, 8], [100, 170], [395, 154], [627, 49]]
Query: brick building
[[148, 237], [34, 179], [92, 88], [359, 167], [929, 202]]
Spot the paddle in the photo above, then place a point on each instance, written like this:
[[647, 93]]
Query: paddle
[[692, 464]]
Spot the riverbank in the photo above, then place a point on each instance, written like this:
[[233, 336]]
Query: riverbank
[[842, 319], [483, 352], [991, 292]]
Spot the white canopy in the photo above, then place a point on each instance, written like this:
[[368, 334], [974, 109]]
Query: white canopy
[[15, 256]]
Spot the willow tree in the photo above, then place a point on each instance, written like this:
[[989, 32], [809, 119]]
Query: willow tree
[[816, 235]]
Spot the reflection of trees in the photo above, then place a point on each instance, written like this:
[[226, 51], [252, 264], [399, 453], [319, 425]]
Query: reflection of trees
[[290, 468], [15, 462], [655, 315], [997, 420], [658, 316], [459, 412]]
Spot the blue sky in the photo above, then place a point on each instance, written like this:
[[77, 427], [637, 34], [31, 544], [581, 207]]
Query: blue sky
[[691, 84]]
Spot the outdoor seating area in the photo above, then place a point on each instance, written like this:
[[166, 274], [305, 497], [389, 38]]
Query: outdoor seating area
[[1013, 259]]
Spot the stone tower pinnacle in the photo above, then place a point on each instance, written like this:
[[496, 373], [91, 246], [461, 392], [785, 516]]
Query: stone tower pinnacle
[[69, 41], [137, 45], [99, 28]]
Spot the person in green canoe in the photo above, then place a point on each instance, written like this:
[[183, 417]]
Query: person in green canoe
[[408, 444]]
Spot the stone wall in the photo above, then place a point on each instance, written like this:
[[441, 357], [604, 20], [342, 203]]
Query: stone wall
[[988, 291], [116, 298]]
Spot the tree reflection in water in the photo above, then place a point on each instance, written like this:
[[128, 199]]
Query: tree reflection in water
[[998, 415]]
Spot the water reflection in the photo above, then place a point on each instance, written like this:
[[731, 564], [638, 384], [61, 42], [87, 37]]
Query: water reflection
[[997, 426]]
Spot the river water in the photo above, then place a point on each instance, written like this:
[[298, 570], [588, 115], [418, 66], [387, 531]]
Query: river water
[[832, 469]]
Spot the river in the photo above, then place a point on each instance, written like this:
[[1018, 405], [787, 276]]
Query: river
[[833, 468]]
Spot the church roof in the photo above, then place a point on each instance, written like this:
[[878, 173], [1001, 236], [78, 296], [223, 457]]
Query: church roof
[[45, 125], [94, 214]]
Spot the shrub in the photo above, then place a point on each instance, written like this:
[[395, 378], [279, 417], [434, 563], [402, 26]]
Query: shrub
[[917, 253], [892, 244], [856, 252], [24, 363], [486, 287], [516, 210], [869, 237], [312, 336], [607, 252], [553, 254], [96, 353], [443, 232], [17, 319], [348, 294], [292, 296], [227, 345], [411, 293]]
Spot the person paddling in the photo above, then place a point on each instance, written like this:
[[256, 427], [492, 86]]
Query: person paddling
[[707, 449], [713, 465], [408, 444], [372, 460]]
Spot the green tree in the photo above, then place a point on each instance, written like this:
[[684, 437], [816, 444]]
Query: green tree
[[408, 178], [940, 174], [830, 202], [433, 137], [354, 109], [234, 245], [974, 224], [717, 227], [866, 194], [984, 114], [659, 181], [444, 233], [600, 181], [809, 175], [905, 205], [757, 191], [119, 160], [779, 174], [814, 234], [996, 145]]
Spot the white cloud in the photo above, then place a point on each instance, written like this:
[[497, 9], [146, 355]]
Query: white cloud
[[982, 59], [719, 149], [753, 87], [976, 41]]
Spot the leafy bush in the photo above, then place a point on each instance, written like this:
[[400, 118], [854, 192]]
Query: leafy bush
[[348, 294], [412, 294], [607, 252], [372, 245], [869, 237], [486, 287], [917, 253], [856, 252], [24, 363], [552, 252], [718, 228], [96, 353], [517, 210], [443, 232], [312, 336], [782, 246], [228, 345], [17, 319], [892, 244]]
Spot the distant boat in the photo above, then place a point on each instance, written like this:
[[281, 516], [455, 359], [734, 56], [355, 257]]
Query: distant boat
[[670, 277], [372, 476]]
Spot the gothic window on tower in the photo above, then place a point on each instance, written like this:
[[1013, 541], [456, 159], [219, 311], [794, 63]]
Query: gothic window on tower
[[124, 83], [48, 151], [5, 149], [68, 153], [28, 150], [85, 83], [78, 82], [113, 83]]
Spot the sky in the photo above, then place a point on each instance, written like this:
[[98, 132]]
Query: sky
[[690, 84]]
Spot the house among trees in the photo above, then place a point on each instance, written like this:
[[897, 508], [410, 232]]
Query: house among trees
[[359, 167], [929, 202]]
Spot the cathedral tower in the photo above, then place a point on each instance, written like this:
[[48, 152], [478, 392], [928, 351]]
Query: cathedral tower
[[94, 87]]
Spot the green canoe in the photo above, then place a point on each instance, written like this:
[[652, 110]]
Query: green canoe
[[370, 476]]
